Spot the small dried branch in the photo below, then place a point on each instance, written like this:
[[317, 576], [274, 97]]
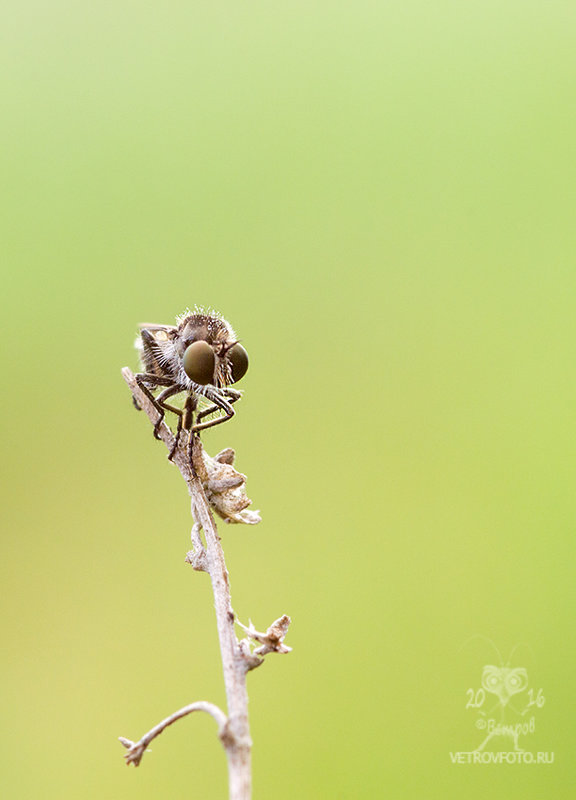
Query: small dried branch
[[214, 483], [137, 749], [273, 640]]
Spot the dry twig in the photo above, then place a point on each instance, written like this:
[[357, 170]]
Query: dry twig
[[214, 482]]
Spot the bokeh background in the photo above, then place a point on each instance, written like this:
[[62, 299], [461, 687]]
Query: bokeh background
[[380, 197]]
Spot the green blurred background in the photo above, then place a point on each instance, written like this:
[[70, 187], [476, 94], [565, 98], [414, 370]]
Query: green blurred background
[[380, 197]]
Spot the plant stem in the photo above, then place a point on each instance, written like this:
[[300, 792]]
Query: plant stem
[[235, 732], [237, 736]]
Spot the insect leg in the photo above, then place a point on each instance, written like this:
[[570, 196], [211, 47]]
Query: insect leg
[[177, 437], [184, 421], [161, 400], [233, 396], [154, 380], [219, 404], [145, 380]]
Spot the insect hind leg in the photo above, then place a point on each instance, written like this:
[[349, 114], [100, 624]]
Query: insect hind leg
[[146, 382], [161, 400]]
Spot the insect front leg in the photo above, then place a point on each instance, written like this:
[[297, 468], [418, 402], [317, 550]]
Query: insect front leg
[[233, 396], [220, 404]]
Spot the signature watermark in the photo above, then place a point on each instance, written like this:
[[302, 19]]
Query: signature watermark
[[505, 707], [503, 757]]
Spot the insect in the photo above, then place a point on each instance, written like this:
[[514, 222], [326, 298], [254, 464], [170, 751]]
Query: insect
[[200, 356]]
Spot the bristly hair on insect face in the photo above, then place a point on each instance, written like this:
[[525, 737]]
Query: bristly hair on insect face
[[206, 311]]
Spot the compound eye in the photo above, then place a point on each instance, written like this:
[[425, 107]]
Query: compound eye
[[199, 362], [239, 361]]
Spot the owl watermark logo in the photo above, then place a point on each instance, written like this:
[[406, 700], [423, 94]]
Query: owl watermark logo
[[506, 718], [505, 705]]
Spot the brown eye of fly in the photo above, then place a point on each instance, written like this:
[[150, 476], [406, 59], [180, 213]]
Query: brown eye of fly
[[198, 362], [239, 361]]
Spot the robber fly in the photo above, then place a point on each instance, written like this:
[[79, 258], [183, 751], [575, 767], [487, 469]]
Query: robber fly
[[200, 356]]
